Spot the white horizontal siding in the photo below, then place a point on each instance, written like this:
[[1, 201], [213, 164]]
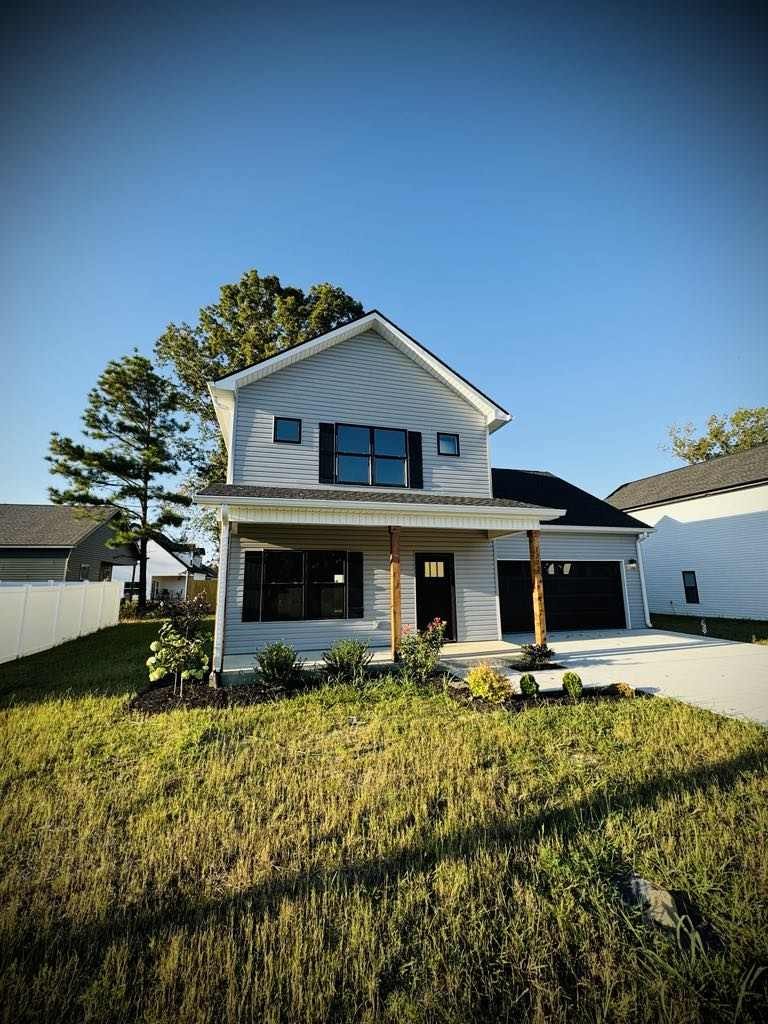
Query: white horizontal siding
[[591, 547], [723, 538], [364, 380], [476, 608]]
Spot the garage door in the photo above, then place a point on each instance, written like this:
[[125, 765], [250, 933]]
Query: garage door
[[577, 595]]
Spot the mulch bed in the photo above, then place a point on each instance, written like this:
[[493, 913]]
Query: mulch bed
[[159, 698], [545, 698]]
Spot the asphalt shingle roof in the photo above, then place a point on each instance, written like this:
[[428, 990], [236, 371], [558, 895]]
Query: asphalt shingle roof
[[47, 526], [723, 473], [545, 489], [393, 497]]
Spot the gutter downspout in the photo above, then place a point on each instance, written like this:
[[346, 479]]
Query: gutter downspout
[[641, 567], [221, 591]]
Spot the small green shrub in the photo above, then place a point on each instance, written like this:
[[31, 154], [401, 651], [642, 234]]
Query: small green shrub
[[183, 657], [572, 685], [528, 685], [279, 666], [420, 652], [486, 682], [620, 690], [347, 661], [536, 655]]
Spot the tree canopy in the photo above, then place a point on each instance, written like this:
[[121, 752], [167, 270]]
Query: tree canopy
[[131, 414], [739, 431]]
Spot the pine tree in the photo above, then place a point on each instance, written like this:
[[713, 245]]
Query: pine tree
[[131, 414]]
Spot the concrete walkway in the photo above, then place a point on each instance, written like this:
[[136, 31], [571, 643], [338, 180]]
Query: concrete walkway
[[719, 675]]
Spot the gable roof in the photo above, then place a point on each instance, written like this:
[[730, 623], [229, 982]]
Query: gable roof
[[541, 488], [724, 473], [49, 526], [223, 389], [183, 554]]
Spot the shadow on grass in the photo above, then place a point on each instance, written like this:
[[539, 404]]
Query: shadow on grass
[[109, 663], [498, 833]]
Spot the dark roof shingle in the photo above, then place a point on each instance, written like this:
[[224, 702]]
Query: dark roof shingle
[[741, 469], [545, 489], [48, 526], [393, 497]]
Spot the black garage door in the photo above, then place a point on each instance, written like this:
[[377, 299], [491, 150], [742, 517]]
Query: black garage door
[[577, 595]]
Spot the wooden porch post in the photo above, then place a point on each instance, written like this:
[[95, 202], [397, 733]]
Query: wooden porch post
[[537, 580], [395, 616]]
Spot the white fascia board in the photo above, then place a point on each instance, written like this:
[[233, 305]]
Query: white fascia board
[[554, 528], [533, 512], [495, 417], [224, 407]]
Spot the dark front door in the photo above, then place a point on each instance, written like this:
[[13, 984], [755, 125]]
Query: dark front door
[[577, 595], [435, 597]]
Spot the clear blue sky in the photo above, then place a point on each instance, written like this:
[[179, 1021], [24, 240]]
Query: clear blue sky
[[570, 209]]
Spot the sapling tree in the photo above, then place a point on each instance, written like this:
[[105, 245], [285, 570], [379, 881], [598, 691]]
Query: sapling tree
[[131, 421]]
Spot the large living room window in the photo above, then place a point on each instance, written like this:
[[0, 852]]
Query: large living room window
[[371, 455], [284, 586]]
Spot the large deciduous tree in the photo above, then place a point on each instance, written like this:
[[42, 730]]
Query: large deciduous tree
[[253, 319], [742, 429], [132, 415]]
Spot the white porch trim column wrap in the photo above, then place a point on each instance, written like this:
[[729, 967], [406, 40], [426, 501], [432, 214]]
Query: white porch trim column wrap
[[221, 593]]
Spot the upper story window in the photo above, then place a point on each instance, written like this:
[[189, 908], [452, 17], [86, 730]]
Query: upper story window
[[371, 455], [287, 430], [448, 444], [691, 587]]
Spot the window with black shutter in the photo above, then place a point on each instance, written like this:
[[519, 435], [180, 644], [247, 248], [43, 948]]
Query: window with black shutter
[[282, 586], [252, 586]]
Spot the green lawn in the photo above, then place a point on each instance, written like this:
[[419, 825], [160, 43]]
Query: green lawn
[[747, 631], [384, 856]]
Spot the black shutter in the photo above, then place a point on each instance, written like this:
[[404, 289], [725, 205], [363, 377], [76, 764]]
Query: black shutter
[[327, 445], [354, 585], [415, 464], [252, 586]]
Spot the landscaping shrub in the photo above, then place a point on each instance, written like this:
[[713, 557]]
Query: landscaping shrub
[[528, 685], [572, 685], [347, 661], [420, 651], [279, 666], [173, 654], [620, 690], [486, 682], [536, 655]]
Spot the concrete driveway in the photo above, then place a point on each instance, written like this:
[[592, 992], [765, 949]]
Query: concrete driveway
[[722, 676]]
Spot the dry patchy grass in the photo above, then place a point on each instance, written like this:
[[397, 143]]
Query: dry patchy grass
[[384, 856]]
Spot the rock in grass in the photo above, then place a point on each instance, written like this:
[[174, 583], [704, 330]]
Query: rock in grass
[[658, 905]]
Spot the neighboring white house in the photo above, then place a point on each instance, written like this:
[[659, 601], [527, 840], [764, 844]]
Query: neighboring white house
[[708, 554], [169, 568], [359, 499]]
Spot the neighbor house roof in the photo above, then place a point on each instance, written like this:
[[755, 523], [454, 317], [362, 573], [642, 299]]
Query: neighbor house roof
[[49, 526], [724, 473], [541, 488], [223, 389], [229, 491], [183, 554]]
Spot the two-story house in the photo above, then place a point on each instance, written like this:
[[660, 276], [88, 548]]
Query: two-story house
[[359, 498]]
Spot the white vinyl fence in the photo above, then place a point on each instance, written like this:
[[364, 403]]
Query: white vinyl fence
[[36, 616]]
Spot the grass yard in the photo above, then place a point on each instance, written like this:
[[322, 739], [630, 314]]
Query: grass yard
[[746, 631], [376, 856]]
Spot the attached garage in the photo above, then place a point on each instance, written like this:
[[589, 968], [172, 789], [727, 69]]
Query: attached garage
[[577, 595]]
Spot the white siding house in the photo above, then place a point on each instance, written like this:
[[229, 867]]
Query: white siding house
[[359, 500], [708, 553]]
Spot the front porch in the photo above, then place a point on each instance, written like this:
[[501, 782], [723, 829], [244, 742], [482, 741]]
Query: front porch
[[405, 559]]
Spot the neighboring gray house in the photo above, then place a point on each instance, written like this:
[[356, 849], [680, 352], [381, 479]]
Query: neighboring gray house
[[57, 542], [359, 498], [708, 553]]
